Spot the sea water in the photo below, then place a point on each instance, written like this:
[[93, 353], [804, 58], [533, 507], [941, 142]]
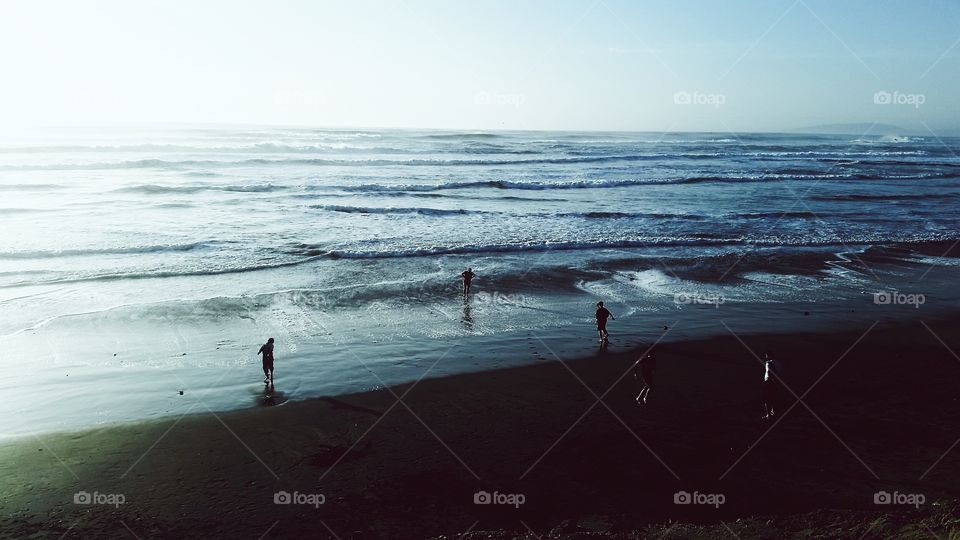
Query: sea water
[[136, 263]]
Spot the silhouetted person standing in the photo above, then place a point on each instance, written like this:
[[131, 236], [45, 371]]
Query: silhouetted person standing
[[771, 384], [467, 276], [267, 351], [602, 315], [646, 366]]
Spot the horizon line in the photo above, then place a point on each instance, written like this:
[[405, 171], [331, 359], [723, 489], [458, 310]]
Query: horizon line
[[821, 129]]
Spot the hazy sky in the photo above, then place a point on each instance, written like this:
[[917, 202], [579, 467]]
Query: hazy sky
[[512, 64]]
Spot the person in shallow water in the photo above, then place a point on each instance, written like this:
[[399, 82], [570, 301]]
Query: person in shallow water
[[267, 351], [602, 315], [771, 384], [646, 366], [467, 276]]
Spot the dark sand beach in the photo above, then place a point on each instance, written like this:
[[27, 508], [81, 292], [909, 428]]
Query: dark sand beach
[[879, 413]]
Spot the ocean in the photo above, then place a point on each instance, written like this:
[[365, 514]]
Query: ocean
[[139, 263]]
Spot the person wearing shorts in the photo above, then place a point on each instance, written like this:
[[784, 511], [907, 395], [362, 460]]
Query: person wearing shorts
[[467, 276], [266, 350], [602, 315]]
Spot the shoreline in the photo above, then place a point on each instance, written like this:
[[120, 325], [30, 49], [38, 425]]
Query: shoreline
[[377, 461], [215, 366]]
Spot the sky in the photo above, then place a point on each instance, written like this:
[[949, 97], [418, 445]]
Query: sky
[[631, 65]]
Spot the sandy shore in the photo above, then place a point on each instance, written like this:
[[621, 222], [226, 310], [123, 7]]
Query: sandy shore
[[879, 413]]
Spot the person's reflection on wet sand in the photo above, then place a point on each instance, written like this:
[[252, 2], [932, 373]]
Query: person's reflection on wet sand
[[270, 397], [467, 318]]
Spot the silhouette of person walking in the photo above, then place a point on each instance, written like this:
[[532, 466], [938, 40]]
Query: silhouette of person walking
[[467, 276], [602, 315], [267, 351], [646, 366], [771, 384]]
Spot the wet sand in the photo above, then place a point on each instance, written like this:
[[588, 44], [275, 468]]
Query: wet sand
[[879, 412]]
